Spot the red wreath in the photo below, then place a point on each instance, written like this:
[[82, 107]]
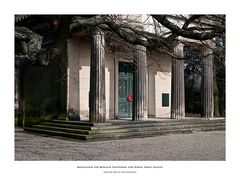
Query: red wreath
[[130, 98]]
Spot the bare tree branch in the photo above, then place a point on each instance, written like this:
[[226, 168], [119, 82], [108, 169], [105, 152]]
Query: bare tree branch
[[197, 35]]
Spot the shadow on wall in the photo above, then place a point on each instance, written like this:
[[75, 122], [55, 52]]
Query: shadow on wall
[[44, 94]]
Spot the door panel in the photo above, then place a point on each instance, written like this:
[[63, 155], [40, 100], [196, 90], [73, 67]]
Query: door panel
[[122, 87], [125, 88]]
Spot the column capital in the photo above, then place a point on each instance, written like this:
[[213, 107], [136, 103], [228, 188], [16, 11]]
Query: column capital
[[96, 31], [207, 52], [178, 49], [140, 47], [179, 44]]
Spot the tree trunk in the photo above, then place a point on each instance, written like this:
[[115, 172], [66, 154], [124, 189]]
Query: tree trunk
[[59, 41]]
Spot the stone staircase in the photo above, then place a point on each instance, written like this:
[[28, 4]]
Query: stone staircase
[[116, 129]]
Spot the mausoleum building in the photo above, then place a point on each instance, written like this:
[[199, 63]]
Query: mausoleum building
[[104, 82]]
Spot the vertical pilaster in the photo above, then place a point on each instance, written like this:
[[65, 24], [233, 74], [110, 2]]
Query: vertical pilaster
[[116, 71], [97, 102], [140, 84], [178, 96], [208, 103], [73, 91]]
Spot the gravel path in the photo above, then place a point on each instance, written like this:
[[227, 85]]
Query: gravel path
[[196, 146]]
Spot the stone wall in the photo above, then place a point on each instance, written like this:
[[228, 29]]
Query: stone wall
[[159, 83]]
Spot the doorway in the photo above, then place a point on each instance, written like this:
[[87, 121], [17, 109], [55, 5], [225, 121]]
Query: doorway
[[125, 89]]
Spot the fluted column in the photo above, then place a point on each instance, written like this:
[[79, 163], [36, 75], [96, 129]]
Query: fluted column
[[97, 102], [178, 96], [140, 84], [208, 103]]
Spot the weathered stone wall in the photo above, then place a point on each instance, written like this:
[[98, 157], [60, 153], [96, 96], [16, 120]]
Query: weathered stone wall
[[84, 80], [79, 58], [159, 83], [109, 79]]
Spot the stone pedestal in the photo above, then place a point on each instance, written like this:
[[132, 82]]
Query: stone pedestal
[[140, 84], [97, 102], [208, 103], [178, 96]]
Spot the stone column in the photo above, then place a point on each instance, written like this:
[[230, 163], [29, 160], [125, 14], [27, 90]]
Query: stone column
[[208, 103], [140, 84], [178, 96], [97, 102]]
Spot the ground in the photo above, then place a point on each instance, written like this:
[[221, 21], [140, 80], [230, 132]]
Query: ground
[[195, 146]]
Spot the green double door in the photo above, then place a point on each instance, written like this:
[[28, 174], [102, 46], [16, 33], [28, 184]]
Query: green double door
[[125, 90]]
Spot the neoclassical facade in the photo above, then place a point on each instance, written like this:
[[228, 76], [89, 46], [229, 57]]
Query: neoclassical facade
[[102, 85], [120, 85]]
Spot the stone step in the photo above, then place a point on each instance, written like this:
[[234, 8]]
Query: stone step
[[149, 133], [159, 124], [66, 125], [218, 128], [56, 133], [129, 122], [115, 128], [166, 121], [84, 123], [62, 129], [116, 124], [118, 135], [112, 130], [152, 128], [86, 130]]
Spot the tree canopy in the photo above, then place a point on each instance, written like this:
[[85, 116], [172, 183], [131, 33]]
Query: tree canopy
[[156, 32]]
